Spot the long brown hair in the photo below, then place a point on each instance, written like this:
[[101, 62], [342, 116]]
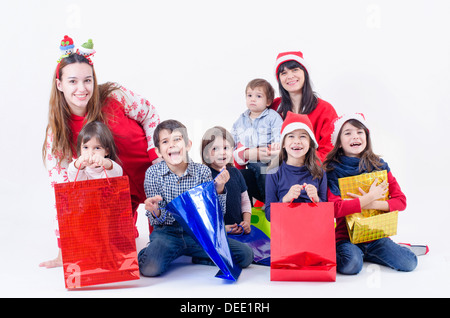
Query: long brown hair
[[59, 112], [312, 161], [309, 98], [369, 161]]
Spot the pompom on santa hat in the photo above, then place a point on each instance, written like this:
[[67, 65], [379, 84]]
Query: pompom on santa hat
[[340, 121], [289, 56], [295, 121]]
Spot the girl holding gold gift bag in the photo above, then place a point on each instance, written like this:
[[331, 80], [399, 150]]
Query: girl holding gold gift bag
[[352, 155], [295, 176]]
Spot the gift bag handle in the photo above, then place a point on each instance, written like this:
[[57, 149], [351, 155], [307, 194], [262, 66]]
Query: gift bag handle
[[219, 174], [76, 176], [312, 200], [240, 234]]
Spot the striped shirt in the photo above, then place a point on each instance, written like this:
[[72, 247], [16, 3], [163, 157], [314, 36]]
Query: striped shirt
[[160, 180]]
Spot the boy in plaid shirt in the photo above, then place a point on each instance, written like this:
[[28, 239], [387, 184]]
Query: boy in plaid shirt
[[164, 182]]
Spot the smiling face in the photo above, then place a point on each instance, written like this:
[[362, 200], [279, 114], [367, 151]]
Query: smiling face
[[353, 140], [292, 80], [296, 144], [77, 85], [173, 149]]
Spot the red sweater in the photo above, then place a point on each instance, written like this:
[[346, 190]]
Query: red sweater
[[131, 144], [397, 202], [322, 120]]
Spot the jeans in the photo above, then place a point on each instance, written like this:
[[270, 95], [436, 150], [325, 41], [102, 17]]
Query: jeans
[[350, 257], [168, 242]]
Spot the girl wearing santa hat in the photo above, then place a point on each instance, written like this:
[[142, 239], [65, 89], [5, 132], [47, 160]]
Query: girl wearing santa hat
[[77, 99], [298, 97], [295, 175], [352, 155]]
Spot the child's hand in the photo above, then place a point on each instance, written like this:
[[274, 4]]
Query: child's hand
[[274, 149], [98, 160], [275, 146], [264, 154], [311, 191], [221, 179], [294, 193], [82, 161], [246, 226], [151, 205], [370, 199], [233, 229], [376, 192]]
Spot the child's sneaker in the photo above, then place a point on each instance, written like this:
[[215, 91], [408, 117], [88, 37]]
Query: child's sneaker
[[417, 249]]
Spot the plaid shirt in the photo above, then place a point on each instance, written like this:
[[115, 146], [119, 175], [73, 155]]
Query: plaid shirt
[[160, 180]]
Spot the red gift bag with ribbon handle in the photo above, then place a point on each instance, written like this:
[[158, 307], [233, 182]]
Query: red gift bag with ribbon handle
[[96, 232], [302, 242]]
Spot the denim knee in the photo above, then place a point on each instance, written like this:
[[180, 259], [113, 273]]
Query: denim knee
[[408, 263], [148, 268], [349, 264], [349, 258]]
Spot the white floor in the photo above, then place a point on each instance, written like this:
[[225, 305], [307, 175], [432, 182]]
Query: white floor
[[27, 240]]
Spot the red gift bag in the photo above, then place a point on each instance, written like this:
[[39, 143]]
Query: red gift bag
[[302, 242], [96, 232]]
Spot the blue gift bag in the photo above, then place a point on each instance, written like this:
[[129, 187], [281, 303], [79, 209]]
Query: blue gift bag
[[198, 211], [259, 243]]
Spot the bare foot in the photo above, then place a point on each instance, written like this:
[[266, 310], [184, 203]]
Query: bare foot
[[57, 262]]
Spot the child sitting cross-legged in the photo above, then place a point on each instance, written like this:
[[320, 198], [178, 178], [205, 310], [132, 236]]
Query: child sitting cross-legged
[[163, 183]]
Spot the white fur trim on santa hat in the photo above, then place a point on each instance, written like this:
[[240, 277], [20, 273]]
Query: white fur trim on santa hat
[[298, 125], [340, 121], [290, 57]]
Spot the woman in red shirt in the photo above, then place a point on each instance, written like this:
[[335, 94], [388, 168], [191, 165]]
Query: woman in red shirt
[[77, 99], [298, 97]]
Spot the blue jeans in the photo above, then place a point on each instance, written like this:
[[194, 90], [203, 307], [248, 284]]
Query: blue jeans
[[350, 257], [168, 242]]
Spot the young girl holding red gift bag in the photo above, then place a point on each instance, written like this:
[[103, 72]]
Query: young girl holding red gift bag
[[296, 176], [352, 155], [96, 154]]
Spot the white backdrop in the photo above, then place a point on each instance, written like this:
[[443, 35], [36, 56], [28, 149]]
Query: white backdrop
[[193, 59]]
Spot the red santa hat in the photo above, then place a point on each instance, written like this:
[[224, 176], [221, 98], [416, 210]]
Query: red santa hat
[[297, 121], [340, 121], [289, 56]]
